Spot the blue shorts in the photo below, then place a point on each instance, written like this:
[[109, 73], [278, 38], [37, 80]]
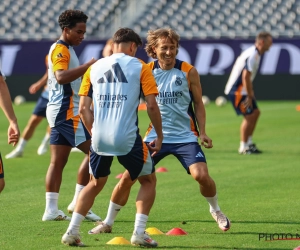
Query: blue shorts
[[239, 106], [138, 161], [186, 153], [40, 107], [70, 133], [1, 168]]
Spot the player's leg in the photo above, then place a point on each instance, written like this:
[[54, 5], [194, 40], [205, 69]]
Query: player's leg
[[2, 182], [121, 193], [61, 142], [193, 160], [59, 158], [139, 164], [43, 148], [247, 129], [82, 140], [199, 172], [118, 199], [100, 167]]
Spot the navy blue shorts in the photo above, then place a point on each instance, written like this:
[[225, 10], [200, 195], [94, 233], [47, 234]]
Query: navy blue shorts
[[186, 153], [70, 133], [1, 168], [138, 161], [239, 106], [40, 107]]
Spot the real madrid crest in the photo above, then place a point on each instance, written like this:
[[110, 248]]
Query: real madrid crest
[[178, 81]]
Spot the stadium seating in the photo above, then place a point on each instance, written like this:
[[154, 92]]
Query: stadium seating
[[37, 19]]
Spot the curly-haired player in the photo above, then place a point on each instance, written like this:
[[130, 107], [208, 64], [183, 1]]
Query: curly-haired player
[[67, 130]]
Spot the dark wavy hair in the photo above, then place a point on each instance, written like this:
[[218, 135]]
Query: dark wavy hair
[[69, 18], [125, 35]]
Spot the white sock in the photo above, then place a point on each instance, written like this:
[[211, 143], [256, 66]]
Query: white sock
[[51, 202], [113, 210], [243, 146], [249, 142], [21, 145], [213, 203], [75, 223], [46, 139], [78, 189], [140, 224]]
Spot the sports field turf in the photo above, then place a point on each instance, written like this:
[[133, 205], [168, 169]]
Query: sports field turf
[[259, 193]]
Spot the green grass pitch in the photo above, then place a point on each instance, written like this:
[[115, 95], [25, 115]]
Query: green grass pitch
[[259, 193]]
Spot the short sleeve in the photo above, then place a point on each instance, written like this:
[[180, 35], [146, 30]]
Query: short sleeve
[[86, 88]]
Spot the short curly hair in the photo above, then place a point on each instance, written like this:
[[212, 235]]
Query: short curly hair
[[69, 18], [154, 35]]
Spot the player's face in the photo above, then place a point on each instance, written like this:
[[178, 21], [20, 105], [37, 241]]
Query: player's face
[[267, 43], [76, 34], [166, 51]]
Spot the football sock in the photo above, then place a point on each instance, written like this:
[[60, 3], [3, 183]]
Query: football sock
[[243, 146], [46, 139], [112, 212], [249, 142], [75, 223], [51, 202], [140, 224], [21, 145], [213, 203], [78, 188]]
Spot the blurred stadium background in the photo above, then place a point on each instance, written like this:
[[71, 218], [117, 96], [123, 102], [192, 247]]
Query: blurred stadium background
[[213, 33]]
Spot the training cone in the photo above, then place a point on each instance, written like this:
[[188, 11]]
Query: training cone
[[153, 231], [161, 169], [118, 241], [176, 231], [142, 106], [119, 176], [298, 107]]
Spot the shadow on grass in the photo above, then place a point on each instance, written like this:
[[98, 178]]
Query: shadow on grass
[[232, 221], [218, 247]]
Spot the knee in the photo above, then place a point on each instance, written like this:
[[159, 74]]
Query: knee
[[148, 179], [202, 178]]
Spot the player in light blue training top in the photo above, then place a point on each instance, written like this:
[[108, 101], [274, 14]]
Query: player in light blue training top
[[183, 113]]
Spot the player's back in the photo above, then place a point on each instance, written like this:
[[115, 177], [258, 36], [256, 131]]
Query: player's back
[[116, 91]]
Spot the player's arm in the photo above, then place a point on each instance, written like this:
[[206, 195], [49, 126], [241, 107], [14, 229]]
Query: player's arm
[[247, 83], [39, 84], [85, 112], [69, 75], [6, 105], [150, 91], [155, 117], [60, 58], [199, 108], [86, 94]]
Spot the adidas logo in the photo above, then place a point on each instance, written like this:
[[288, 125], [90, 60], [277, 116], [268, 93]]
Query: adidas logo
[[59, 55], [199, 155]]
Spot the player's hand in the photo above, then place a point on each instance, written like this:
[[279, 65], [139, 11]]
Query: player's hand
[[206, 141], [33, 88], [248, 102], [13, 133], [154, 146], [92, 61]]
